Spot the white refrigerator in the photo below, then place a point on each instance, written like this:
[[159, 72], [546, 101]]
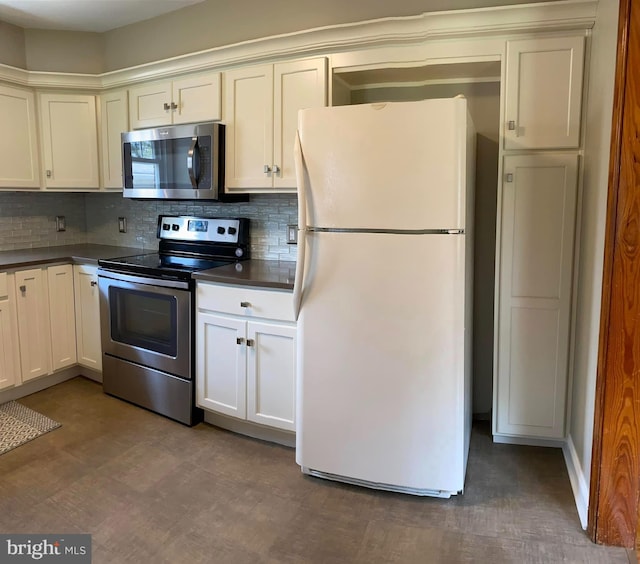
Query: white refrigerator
[[383, 293]]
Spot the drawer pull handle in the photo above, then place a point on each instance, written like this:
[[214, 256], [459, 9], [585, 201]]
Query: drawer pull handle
[[250, 342], [239, 340], [245, 304]]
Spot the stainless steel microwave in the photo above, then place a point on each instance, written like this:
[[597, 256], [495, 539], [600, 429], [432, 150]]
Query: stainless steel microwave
[[182, 162]]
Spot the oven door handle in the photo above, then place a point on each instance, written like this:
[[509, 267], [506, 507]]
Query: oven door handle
[[135, 279], [190, 163]]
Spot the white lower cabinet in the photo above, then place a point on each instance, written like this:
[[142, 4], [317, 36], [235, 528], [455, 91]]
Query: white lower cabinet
[[9, 350], [245, 365], [534, 306], [87, 302], [32, 305], [49, 320]]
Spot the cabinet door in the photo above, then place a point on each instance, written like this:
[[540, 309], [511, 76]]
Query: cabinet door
[[69, 140], [248, 110], [33, 323], [150, 105], [536, 260], [296, 86], [221, 364], [9, 352], [271, 383], [62, 315], [87, 302], [197, 98], [19, 166], [543, 93], [114, 120]]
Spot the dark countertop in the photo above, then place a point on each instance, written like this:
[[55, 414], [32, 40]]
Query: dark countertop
[[260, 273], [88, 254]]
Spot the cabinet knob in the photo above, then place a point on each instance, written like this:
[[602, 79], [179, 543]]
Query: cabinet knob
[[48, 173], [266, 169], [511, 125], [250, 342], [509, 177], [239, 340], [245, 304], [93, 282], [167, 106], [23, 289], [174, 106], [275, 169]]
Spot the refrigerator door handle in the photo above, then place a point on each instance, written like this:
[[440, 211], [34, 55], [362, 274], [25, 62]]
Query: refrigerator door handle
[[302, 226]]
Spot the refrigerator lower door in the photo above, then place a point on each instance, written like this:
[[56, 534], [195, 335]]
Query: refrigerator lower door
[[382, 392]]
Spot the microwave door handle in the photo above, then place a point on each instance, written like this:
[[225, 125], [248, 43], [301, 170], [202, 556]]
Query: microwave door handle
[[190, 164]]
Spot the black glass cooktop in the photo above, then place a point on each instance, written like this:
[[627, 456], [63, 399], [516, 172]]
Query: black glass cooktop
[[156, 264]]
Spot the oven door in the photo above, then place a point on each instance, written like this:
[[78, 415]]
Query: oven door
[[146, 321]]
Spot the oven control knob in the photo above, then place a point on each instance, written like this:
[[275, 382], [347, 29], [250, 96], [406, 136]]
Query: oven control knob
[[221, 230], [239, 252], [232, 230], [166, 226], [175, 227]]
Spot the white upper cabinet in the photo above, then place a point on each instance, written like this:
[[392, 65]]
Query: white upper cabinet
[[19, 166], [114, 120], [536, 261], [69, 140], [543, 93], [191, 99], [261, 106]]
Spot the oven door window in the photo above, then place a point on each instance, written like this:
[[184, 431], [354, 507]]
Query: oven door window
[[144, 320]]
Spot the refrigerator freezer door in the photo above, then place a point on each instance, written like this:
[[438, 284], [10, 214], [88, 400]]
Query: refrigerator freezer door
[[385, 166], [381, 336]]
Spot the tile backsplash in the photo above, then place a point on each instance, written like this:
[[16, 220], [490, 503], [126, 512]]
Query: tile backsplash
[[28, 220]]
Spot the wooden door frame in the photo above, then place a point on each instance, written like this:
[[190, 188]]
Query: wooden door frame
[[615, 462]]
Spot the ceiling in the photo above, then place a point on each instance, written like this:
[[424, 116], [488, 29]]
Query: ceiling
[[104, 15], [85, 15]]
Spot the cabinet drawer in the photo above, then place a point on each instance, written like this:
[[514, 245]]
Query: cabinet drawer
[[4, 288], [248, 302]]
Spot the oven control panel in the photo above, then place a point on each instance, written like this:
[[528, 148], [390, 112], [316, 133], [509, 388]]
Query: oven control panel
[[205, 229]]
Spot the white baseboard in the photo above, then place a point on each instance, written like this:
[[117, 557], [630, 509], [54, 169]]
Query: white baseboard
[[579, 484], [286, 438], [528, 441], [91, 374], [39, 384]]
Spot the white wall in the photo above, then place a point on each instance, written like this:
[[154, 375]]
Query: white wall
[[202, 26], [594, 204], [68, 51]]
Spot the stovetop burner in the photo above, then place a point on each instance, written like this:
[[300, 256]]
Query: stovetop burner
[[187, 245]]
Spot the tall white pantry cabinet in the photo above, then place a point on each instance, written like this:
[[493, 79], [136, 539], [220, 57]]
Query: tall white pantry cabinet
[[535, 244]]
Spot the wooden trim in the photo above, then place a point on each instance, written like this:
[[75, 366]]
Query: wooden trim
[[615, 481]]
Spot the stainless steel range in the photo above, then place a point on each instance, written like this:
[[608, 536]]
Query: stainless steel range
[[147, 312]]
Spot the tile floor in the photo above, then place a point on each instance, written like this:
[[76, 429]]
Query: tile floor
[[153, 491]]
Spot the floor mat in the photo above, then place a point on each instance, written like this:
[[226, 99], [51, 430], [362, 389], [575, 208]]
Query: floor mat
[[19, 425]]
